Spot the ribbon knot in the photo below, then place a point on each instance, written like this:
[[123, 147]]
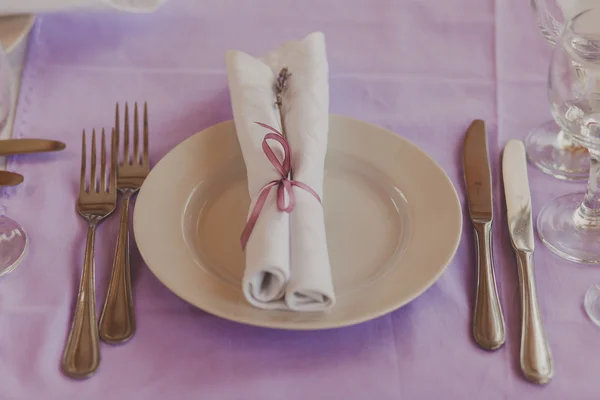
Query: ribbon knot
[[284, 184]]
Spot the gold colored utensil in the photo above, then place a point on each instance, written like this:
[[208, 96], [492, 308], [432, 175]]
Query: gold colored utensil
[[9, 147], [10, 178]]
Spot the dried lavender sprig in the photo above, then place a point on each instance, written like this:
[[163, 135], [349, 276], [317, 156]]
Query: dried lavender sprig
[[280, 87]]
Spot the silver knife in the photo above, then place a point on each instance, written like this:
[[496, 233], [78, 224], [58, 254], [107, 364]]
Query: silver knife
[[536, 358], [10, 147], [489, 330]]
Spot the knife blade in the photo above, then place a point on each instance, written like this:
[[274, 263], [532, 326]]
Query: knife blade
[[9, 147], [489, 330], [10, 178], [535, 356], [518, 198]]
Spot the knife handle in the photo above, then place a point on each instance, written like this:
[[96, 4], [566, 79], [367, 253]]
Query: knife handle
[[536, 358], [488, 321]]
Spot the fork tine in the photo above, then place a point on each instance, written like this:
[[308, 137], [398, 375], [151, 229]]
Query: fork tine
[[82, 188], [145, 158], [136, 136], [93, 181], [117, 129], [103, 164], [126, 136], [114, 159]]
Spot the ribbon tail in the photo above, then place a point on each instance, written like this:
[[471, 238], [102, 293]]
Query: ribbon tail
[[308, 189]]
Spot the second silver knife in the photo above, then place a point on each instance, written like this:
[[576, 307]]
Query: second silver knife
[[536, 359]]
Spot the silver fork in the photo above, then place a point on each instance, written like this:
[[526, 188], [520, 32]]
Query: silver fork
[[117, 323], [97, 200]]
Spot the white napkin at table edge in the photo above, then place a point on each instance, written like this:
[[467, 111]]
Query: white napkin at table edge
[[306, 102], [8, 7]]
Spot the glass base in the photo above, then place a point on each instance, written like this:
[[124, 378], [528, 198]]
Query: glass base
[[555, 155], [13, 245], [591, 303], [560, 233]]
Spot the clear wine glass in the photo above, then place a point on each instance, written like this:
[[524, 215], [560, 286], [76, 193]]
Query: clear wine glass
[[13, 239], [550, 148], [570, 225]]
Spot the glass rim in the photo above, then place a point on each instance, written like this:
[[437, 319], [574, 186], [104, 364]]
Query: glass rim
[[572, 25]]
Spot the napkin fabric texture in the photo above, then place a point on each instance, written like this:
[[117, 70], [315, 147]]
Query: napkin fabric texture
[[287, 262], [39, 6]]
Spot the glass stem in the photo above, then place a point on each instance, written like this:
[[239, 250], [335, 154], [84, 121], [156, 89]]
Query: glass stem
[[588, 213], [563, 140]]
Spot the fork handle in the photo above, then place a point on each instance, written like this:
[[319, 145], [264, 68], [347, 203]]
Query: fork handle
[[81, 356], [117, 323]]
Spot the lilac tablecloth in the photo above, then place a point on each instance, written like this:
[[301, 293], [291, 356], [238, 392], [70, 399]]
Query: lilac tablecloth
[[423, 68]]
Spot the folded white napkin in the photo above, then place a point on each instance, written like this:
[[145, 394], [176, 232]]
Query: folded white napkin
[[39, 6], [287, 263]]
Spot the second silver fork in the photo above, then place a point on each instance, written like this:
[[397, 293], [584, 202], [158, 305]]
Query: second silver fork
[[117, 322]]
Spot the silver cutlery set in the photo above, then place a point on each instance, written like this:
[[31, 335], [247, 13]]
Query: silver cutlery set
[[488, 321], [97, 200]]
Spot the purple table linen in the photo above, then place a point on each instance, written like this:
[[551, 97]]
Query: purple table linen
[[422, 68]]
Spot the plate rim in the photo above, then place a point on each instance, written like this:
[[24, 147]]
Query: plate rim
[[319, 324]]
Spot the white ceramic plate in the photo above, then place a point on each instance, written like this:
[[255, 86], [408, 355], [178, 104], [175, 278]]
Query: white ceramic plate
[[392, 216], [13, 29]]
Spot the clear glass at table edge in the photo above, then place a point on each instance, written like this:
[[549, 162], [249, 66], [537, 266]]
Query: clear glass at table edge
[[13, 239], [550, 148], [570, 224]]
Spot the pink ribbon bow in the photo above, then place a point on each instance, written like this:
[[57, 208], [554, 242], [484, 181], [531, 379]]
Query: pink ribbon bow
[[283, 185]]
